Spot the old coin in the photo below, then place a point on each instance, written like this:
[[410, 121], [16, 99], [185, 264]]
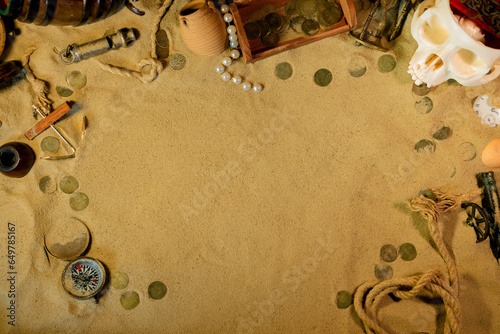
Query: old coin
[[388, 253], [467, 151], [290, 10], [79, 201], [178, 61], [157, 290], [357, 66], [76, 79], [252, 30], [129, 300], [68, 184], [424, 105], [323, 77], [274, 21], [283, 70], [420, 90], [271, 39], [383, 271], [50, 144], [344, 299], [308, 7], [119, 280], [47, 185], [162, 44], [408, 252], [328, 17], [296, 23], [425, 146], [442, 133], [310, 27], [63, 91], [386, 63], [264, 27]]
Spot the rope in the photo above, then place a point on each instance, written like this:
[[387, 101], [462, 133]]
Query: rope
[[155, 64], [369, 295], [39, 86]]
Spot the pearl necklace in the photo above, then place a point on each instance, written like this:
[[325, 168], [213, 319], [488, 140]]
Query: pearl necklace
[[234, 54]]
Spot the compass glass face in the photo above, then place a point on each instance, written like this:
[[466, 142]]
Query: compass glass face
[[83, 278]]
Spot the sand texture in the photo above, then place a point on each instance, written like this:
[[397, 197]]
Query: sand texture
[[254, 209]]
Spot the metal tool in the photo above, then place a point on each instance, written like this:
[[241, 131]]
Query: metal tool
[[84, 278], [75, 53], [484, 219], [72, 155]]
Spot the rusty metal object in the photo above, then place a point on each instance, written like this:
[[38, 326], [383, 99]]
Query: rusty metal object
[[75, 53]]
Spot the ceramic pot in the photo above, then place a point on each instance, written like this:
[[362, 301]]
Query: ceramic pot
[[16, 159], [59, 12], [202, 27]]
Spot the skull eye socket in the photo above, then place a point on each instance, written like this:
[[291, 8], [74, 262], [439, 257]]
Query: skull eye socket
[[467, 62], [434, 31]]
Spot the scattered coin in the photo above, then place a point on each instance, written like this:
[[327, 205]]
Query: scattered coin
[[162, 44], [157, 290], [388, 253], [383, 271], [252, 30], [178, 61], [323, 77], [442, 133], [296, 23], [386, 63], [264, 27], [328, 17], [357, 66], [408, 252], [119, 280], [308, 7], [425, 146], [271, 39], [290, 10], [50, 144], [274, 21], [129, 300], [47, 185], [76, 79], [424, 105], [310, 27], [467, 151], [79, 201], [344, 299], [420, 90], [68, 184], [63, 91], [283, 70]]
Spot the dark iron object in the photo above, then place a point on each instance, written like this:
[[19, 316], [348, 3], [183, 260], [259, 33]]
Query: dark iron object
[[16, 159], [484, 218]]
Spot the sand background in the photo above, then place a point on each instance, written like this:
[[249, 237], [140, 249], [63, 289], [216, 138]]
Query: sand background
[[312, 182]]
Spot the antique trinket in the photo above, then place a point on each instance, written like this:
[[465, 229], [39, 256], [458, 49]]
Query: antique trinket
[[84, 278], [484, 218]]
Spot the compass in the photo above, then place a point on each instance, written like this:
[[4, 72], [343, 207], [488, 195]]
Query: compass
[[84, 278]]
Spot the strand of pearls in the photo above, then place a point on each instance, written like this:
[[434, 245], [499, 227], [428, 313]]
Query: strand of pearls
[[233, 55]]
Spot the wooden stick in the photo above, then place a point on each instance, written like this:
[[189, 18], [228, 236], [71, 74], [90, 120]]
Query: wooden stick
[[48, 121]]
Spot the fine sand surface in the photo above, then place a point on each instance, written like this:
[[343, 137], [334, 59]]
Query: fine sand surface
[[254, 209]]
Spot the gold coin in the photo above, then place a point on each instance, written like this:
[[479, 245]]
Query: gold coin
[[119, 280], [157, 290], [425, 146], [424, 105], [310, 27], [270, 40], [386, 63], [68, 184], [50, 144], [383, 272], [408, 252], [76, 79], [388, 253], [63, 91], [178, 61], [129, 300], [344, 299], [252, 30], [79, 201], [47, 185], [283, 70], [323, 77]]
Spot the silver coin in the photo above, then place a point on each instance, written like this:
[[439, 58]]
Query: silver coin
[[383, 271], [441, 134], [386, 63], [425, 146], [178, 61], [424, 105], [63, 91], [388, 253]]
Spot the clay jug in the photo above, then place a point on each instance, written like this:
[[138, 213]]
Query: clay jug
[[202, 27]]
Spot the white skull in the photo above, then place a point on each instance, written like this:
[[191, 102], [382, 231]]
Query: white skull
[[450, 47]]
